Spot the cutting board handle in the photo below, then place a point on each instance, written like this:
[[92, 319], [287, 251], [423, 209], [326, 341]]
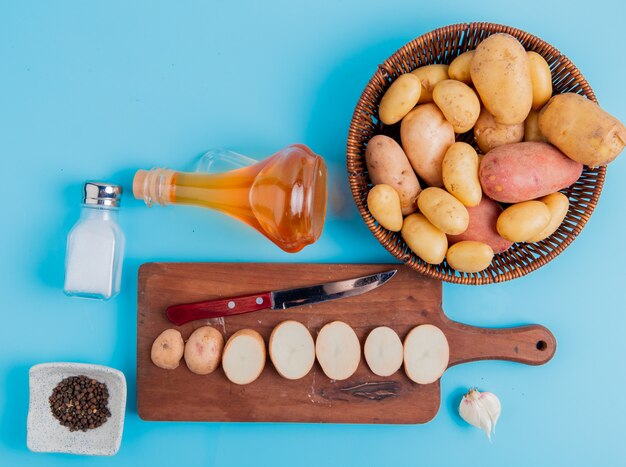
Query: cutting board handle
[[532, 345]]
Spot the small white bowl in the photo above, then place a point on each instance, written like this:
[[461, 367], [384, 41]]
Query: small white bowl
[[46, 434]]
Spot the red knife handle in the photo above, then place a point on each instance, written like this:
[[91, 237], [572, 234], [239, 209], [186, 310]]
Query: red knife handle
[[181, 314]]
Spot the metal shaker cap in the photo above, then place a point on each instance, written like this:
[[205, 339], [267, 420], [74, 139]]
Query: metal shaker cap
[[102, 194]]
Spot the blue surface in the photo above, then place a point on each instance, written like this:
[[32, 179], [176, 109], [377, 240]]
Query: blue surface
[[99, 89]]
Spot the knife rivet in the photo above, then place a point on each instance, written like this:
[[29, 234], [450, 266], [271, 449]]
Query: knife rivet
[[259, 300], [231, 304]]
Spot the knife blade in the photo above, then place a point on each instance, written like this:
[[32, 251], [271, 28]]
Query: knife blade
[[278, 299]]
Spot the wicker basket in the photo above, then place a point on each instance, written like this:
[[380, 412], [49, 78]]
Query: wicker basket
[[442, 46]]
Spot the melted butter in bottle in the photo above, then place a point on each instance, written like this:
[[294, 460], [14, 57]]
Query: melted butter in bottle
[[283, 196]]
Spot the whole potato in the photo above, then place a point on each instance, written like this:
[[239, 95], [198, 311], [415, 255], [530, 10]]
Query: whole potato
[[429, 76], [460, 174], [458, 102], [557, 204], [531, 128], [426, 136], [387, 163], [523, 221], [582, 130], [384, 204], [167, 349], [203, 350], [541, 77], [399, 99], [500, 71], [490, 134], [460, 67], [468, 256], [443, 210], [482, 226], [424, 239], [524, 171]]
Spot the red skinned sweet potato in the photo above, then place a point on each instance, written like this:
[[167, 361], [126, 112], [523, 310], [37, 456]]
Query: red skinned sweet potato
[[523, 171], [482, 226]]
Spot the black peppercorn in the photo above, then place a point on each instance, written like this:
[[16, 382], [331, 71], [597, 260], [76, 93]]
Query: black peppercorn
[[80, 403]]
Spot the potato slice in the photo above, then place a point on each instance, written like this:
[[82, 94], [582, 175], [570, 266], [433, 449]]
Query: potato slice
[[167, 349], [338, 350], [426, 354], [292, 349], [203, 350], [244, 356], [383, 351]]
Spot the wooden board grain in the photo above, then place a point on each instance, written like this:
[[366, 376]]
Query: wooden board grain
[[403, 303]]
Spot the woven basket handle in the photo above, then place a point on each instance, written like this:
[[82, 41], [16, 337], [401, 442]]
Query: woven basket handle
[[532, 345]]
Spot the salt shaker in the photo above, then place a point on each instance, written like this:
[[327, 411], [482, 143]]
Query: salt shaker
[[95, 245]]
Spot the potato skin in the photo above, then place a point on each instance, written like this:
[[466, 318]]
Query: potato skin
[[469, 256], [387, 163], [167, 349], [383, 203], [460, 68], [582, 130], [426, 136], [541, 79], [429, 76], [490, 134], [459, 104], [399, 99], [500, 71], [460, 173], [524, 171], [522, 221], [443, 210], [482, 226], [557, 204], [424, 239], [531, 128], [203, 350]]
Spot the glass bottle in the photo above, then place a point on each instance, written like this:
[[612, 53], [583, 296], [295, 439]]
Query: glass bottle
[[95, 245], [283, 196]]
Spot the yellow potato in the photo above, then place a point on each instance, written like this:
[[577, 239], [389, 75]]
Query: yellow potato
[[460, 67], [557, 204], [429, 76], [167, 349], [582, 130], [541, 78], [426, 136], [500, 72], [387, 163], [384, 204], [523, 221], [460, 174], [490, 134], [443, 210], [203, 350], [424, 239], [458, 102], [399, 99], [469, 256], [531, 128]]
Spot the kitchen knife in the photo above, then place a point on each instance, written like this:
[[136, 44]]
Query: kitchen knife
[[277, 300]]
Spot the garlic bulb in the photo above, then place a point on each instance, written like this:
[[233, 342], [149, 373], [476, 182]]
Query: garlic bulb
[[481, 409]]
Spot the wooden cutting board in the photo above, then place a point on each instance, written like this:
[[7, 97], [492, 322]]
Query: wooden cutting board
[[404, 302]]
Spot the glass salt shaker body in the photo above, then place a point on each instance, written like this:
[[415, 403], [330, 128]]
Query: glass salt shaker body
[[95, 245]]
